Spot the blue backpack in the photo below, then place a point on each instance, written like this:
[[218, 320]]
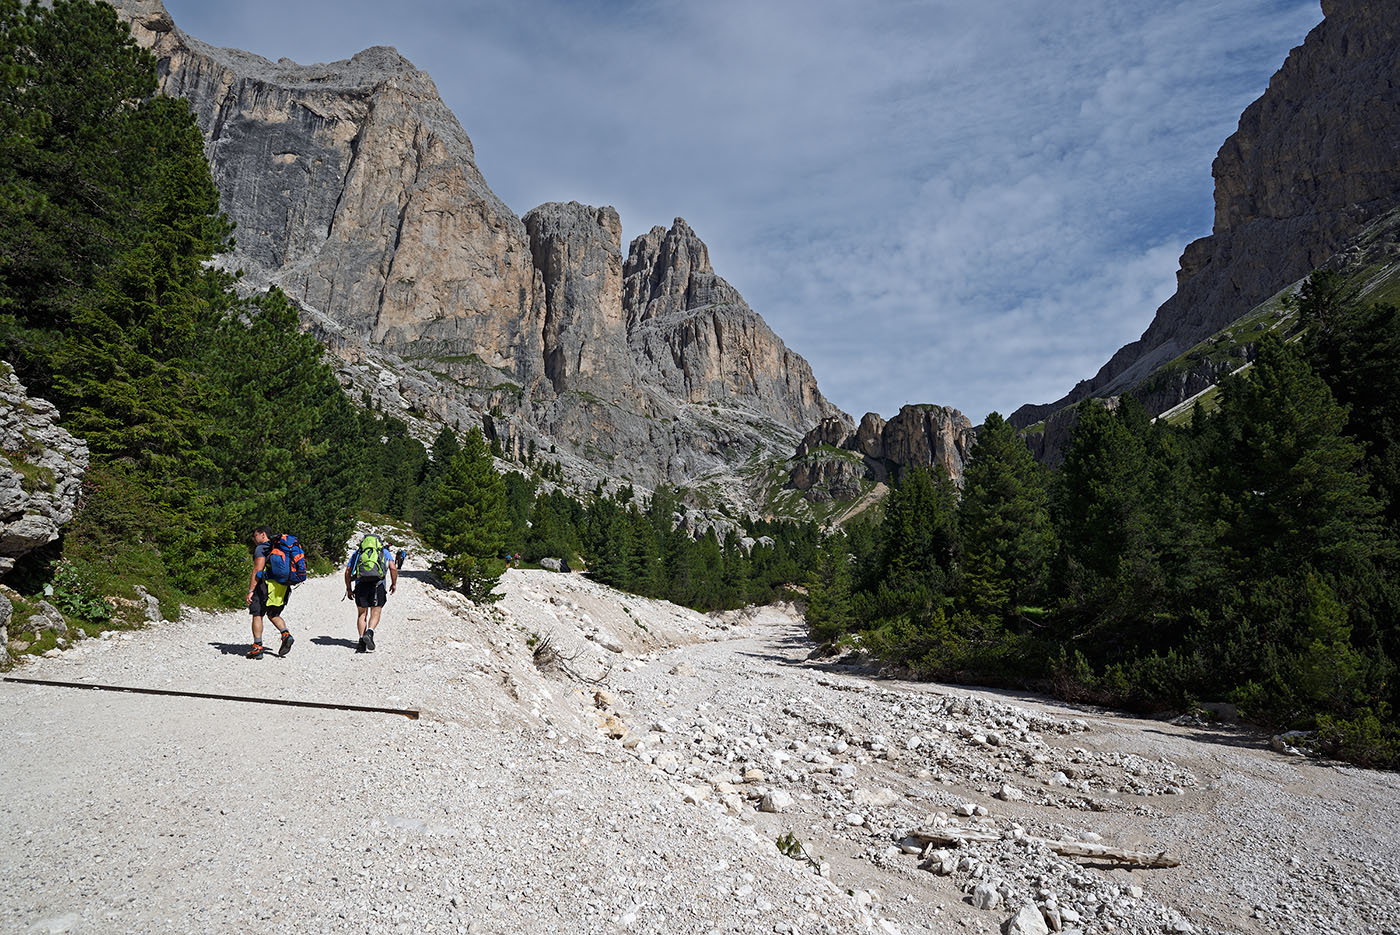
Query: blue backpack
[[286, 561]]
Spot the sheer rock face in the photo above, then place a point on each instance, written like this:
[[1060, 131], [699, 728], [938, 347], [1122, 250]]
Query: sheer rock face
[[40, 475], [355, 190], [1314, 160], [577, 249], [919, 436]]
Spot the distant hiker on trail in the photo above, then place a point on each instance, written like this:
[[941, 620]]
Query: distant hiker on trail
[[266, 595], [368, 567]]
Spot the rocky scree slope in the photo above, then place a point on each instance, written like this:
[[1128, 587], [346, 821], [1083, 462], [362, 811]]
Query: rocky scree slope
[[356, 191], [1314, 161], [590, 761]]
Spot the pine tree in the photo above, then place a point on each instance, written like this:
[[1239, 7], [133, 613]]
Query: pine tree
[[918, 545], [76, 151], [1287, 488], [444, 448], [1355, 348], [734, 582], [466, 520], [1004, 524], [1106, 570], [1298, 545], [829, 591]]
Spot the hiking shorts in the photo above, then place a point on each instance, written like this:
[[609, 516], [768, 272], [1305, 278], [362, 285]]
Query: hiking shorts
[[370, 592], [259, 607]]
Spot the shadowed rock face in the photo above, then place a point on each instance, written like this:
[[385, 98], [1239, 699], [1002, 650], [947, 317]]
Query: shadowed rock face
[[356, 191], [1314, 160], [576, 248]]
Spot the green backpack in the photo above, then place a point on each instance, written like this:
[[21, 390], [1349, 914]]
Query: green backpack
[[368, 564]]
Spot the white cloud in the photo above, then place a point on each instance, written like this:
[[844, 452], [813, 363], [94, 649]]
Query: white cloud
[[969, 204]]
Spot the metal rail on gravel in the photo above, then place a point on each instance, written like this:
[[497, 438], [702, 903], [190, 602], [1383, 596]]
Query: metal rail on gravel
[[410, 713]]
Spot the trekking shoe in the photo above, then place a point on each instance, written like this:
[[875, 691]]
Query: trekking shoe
[[256, 651], [287, 641], [360, 646], [369, 641]]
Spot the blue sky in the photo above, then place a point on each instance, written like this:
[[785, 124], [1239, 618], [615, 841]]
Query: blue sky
[[970, 204]]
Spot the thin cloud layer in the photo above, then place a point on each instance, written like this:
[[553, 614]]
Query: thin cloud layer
[[966, 204]]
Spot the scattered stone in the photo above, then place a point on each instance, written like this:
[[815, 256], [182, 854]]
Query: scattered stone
[[986, 895], [694, 795], [775, 800], [1026, 921], [604, 639], [152, 604], [882, 798]]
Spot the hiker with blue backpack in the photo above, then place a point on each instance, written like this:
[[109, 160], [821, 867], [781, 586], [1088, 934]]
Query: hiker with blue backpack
[[364, 581], [278, 563]]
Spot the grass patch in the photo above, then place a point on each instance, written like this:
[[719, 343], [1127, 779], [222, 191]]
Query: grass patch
[[33, 478], [1209, 402]]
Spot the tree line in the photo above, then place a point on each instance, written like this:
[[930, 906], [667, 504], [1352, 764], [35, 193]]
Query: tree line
[[1247, 556], [451, 493]]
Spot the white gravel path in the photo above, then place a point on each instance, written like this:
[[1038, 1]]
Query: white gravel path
[[506, 808]]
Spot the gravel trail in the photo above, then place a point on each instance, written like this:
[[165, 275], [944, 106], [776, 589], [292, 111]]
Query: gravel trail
[[528, 798]]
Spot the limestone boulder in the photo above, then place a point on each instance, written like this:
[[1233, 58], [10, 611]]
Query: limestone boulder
[[41, 471]]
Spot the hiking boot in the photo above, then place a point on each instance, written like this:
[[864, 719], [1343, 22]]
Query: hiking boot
[[287, 641], [360, 646], [369, 641], [256, 651]]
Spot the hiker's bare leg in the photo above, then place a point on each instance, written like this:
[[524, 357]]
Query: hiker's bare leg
[[374, 613], [257, 629], [279, 623], [362, 619]]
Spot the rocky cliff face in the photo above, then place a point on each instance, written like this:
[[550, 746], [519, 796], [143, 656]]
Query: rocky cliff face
[[577, 251], [41, 471], [1314, 160], [356, 191], [696, 337], [834, 457]]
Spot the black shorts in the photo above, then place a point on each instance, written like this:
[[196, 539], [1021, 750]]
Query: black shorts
[[370, 592], [258, 606]]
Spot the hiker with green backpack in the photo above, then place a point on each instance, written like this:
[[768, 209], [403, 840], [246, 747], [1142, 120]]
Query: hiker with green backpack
[[364, 581]]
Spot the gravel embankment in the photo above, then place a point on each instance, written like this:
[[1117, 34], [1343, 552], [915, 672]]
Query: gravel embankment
[[525, 800]]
